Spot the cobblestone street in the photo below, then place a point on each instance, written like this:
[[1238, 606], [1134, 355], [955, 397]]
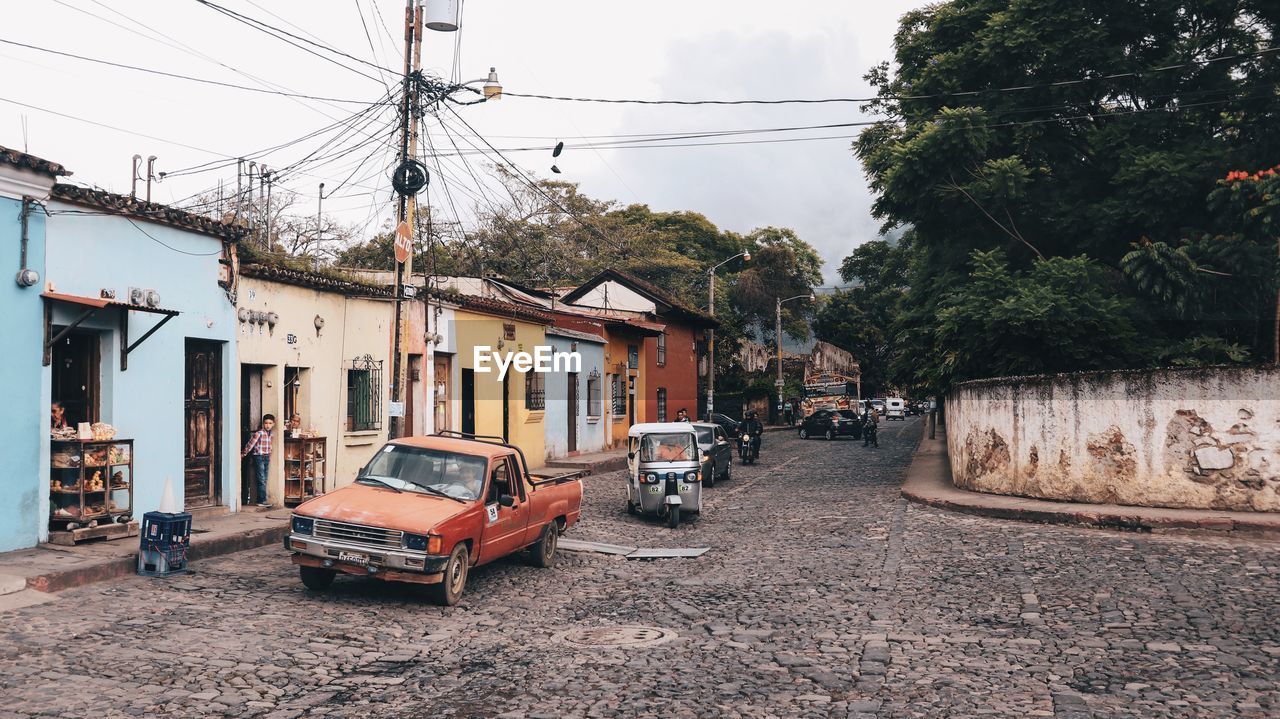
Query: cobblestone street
[[823, 594]]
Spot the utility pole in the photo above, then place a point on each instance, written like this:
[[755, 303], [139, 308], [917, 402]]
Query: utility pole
[[267, 244], [711, 345], [777, 336], [319, 204], [407, 203]]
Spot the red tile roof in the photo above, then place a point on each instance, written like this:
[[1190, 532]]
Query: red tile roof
[[9, 156], [125, 206]]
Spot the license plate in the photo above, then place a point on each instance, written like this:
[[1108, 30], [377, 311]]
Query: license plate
[[354, 558]]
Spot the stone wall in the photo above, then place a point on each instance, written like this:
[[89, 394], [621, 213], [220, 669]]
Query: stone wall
[[1194, 438]]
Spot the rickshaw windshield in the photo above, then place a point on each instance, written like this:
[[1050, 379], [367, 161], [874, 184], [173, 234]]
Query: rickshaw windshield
[[670, 447]]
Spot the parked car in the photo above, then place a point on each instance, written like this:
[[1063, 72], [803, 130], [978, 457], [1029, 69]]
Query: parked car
[[831, 423], [727, 423], [717, 452], [427, 509]]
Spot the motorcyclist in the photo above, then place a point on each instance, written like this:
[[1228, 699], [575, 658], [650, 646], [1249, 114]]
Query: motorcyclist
[[870, 422], [751, 425]]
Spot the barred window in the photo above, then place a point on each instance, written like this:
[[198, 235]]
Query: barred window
[[364, 395], [662, 349], [535, 391], [662, 404], [595, 402], [619, 397]]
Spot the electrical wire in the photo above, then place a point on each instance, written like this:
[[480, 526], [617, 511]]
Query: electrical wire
[[890, 97], [162, 73], [538, 188], [164, 39], [285, 36]]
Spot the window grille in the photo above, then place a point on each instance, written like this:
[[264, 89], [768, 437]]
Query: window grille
[[595, 402], [535, 391], [364, 394], [662, 349], [662, 404], [619, 397]]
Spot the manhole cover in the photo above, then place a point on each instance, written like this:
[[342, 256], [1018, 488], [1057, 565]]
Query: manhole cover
[[616, 636]]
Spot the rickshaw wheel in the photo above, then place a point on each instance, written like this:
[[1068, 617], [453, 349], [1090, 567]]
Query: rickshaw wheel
[[631, 507], [673, 517]]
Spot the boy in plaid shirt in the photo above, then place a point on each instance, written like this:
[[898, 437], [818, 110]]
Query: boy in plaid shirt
[[260, 447]]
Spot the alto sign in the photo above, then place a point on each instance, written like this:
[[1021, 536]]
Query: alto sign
[[543, 359]]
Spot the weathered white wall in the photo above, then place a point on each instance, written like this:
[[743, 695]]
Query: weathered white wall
[[1198, 438]]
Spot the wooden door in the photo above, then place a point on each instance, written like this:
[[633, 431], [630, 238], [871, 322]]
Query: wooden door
[[203, 400], [415, 386], [468, 401], [440, 394], [76, 369], [573, 411]]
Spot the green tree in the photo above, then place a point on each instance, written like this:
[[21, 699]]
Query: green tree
[[1094, 152], [782, 266]]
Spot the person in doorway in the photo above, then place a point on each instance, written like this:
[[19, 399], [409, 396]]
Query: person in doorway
[[58, 416], [295, 425], [259, 447], [682, 415]]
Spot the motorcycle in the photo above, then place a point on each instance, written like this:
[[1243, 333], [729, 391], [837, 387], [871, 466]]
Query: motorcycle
[[870, 435], [749, 448]]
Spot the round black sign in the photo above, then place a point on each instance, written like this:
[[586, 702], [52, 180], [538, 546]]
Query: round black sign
[[410, 177]]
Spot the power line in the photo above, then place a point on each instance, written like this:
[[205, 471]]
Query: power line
[[162, 73], [163, 39], [538, 188], [888, 97], [285, 36]]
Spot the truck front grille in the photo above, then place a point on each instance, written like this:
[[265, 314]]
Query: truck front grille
[[358, 535]]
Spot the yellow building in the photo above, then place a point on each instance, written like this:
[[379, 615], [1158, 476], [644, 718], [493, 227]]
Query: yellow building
[[514, 407]]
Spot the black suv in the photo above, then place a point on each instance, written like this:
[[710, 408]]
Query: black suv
[[729, 424], [831, 423]]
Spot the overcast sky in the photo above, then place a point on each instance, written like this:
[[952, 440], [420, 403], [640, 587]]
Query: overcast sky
[[660, 49]]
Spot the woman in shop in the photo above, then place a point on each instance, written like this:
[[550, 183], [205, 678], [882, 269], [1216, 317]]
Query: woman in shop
[[58, 416]]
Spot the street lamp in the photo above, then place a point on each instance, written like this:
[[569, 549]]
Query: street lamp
[[711, 333], [777, 335]]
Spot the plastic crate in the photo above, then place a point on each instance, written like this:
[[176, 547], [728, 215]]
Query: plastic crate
[[164, 541]]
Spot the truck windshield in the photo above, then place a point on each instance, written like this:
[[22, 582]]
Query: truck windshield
[[671, 447], [413, 469]]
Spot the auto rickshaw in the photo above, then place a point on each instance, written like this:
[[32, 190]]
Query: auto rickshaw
[[664, 470]]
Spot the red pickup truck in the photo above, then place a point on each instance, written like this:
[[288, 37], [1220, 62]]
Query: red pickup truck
[[428, 509]]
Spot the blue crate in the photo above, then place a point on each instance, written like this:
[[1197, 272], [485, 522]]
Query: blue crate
[[163, 544]]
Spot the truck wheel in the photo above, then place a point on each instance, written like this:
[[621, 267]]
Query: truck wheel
[[673, 517], [316, 578], [543, 551], [449, 591]]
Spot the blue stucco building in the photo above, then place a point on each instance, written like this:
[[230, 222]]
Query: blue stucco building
[[131, 323], [25, 181], [575, 417]]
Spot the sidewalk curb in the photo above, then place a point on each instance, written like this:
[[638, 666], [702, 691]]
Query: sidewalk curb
[[127, 565], [611, 464], [928, 482]]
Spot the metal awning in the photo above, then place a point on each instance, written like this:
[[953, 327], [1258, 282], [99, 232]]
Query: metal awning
[[91, 306]]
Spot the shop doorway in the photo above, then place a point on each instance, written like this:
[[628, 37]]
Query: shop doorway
[[76, 369], [203, 425], [251, 410], [573, 412], [468, 401], [441, 395], [415, 386]]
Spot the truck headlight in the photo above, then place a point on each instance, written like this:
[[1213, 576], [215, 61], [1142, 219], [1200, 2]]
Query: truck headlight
[[416, 542], [303, 525]]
